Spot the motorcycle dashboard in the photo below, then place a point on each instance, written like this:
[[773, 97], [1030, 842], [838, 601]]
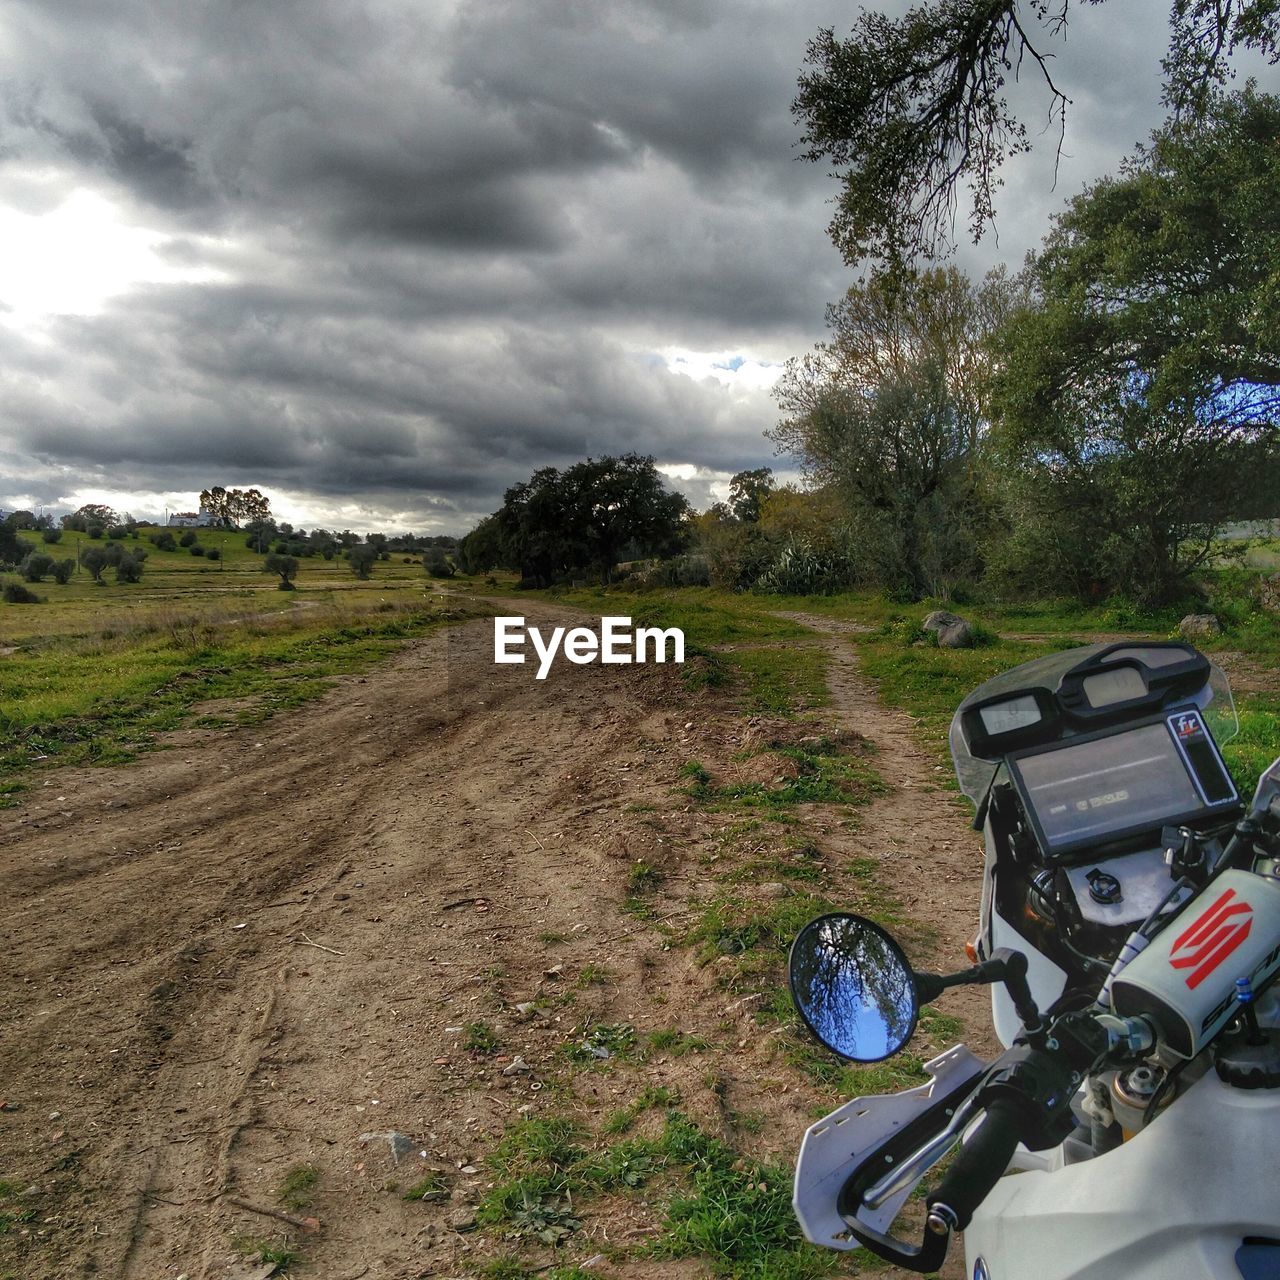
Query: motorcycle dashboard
[[1116, 683]]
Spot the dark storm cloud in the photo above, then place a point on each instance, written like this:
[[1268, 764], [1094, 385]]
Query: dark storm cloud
[[450, 243]]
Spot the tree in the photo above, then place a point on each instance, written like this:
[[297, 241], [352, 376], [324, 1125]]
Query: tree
[[747, 491], [95, 560], [285, 566], [583, 517], [1140, 395], [91, 515], [62, 571], [21, 520], [233, 507], [890, 416], [483, 548], [910, 110], [129, 568], [363, 556], [163, 541], [35, 566], [51, 536]]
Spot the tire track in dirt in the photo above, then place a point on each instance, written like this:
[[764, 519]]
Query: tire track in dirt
[[157, 991], [919, 831]]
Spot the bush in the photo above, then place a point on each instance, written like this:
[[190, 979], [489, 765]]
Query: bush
[[35, 566], [196, 549], [438, 565], [95, 531], [16, 593], [52, 535], [128, 569], [188, 539], [118, 534], [62, 571], [162, 541], [213, 553]]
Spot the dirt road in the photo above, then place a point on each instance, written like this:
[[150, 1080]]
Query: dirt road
[[253, 950]]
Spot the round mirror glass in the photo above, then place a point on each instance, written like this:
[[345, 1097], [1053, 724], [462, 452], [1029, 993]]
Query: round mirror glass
[[853, 986]]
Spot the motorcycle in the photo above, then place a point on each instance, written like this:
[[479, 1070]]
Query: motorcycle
[[1130, 930]]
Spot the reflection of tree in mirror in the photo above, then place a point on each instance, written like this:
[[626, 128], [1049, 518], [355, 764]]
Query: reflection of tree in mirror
[[854, 987]]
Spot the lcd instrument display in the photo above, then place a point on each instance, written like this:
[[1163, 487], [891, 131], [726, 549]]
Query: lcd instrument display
[[1006, 717], [1129, 780]]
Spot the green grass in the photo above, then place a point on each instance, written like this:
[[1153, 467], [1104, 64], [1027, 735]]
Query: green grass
[[717, 1205], [282, 1254], [823, 775], [480, 1037], [430, 1187], [101, 700], [298, 1190], [676, 1043]]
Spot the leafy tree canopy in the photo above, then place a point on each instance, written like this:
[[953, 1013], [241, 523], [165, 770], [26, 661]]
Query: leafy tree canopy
[[233, 507], [584, 517], [1140, 395], [910, 109], [747, 491]]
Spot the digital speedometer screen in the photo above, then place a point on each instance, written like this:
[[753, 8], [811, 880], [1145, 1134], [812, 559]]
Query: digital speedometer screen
[[1129, 780], [1005, 717], [1117, 685]]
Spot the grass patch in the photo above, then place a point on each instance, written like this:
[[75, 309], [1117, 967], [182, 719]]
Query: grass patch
[[733, 1212], [430, 1187], [480, 1037], [298, 1189], [821, 774], [676, 1043], [282, 1254], [602, 1041], [623, 1120]]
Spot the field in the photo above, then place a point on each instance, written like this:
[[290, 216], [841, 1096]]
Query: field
[[315, 912]]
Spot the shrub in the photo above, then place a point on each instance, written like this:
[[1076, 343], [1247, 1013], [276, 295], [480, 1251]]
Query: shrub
[[196, 549], [95, 560], [118, 533], [213, 553], [35, 566], [95, 531], [52, 535], [438, 565], [162, 541], [188, 539], [16, 593], [128, 569], [62, 571]]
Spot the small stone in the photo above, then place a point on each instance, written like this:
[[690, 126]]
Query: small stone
[[463, 1219], [55, 1115], [517, 1067], [774, 889]]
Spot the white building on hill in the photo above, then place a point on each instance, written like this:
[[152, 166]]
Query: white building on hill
[[201, 519]]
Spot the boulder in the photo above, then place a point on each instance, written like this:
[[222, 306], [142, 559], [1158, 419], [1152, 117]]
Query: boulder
[[1269, 593], [1199, 626], [940, 619], [959, 635]]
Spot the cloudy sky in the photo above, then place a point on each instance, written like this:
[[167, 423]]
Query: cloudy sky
[[383, 258]]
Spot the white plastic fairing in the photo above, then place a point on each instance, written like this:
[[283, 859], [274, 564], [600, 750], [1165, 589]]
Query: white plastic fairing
[[1173, 1203], [834, 1147]]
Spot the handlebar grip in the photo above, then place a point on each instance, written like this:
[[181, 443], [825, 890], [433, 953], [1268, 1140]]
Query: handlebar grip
[[981, 1162]]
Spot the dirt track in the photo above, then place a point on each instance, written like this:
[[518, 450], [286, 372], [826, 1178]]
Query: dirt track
[[247, 951]]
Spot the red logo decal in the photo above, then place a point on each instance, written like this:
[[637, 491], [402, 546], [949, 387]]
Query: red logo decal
[[1204, 945]]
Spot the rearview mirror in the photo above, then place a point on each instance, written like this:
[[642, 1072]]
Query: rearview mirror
[[853, 986]]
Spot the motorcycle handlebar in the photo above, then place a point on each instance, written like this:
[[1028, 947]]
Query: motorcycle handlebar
[[981, 1162]]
